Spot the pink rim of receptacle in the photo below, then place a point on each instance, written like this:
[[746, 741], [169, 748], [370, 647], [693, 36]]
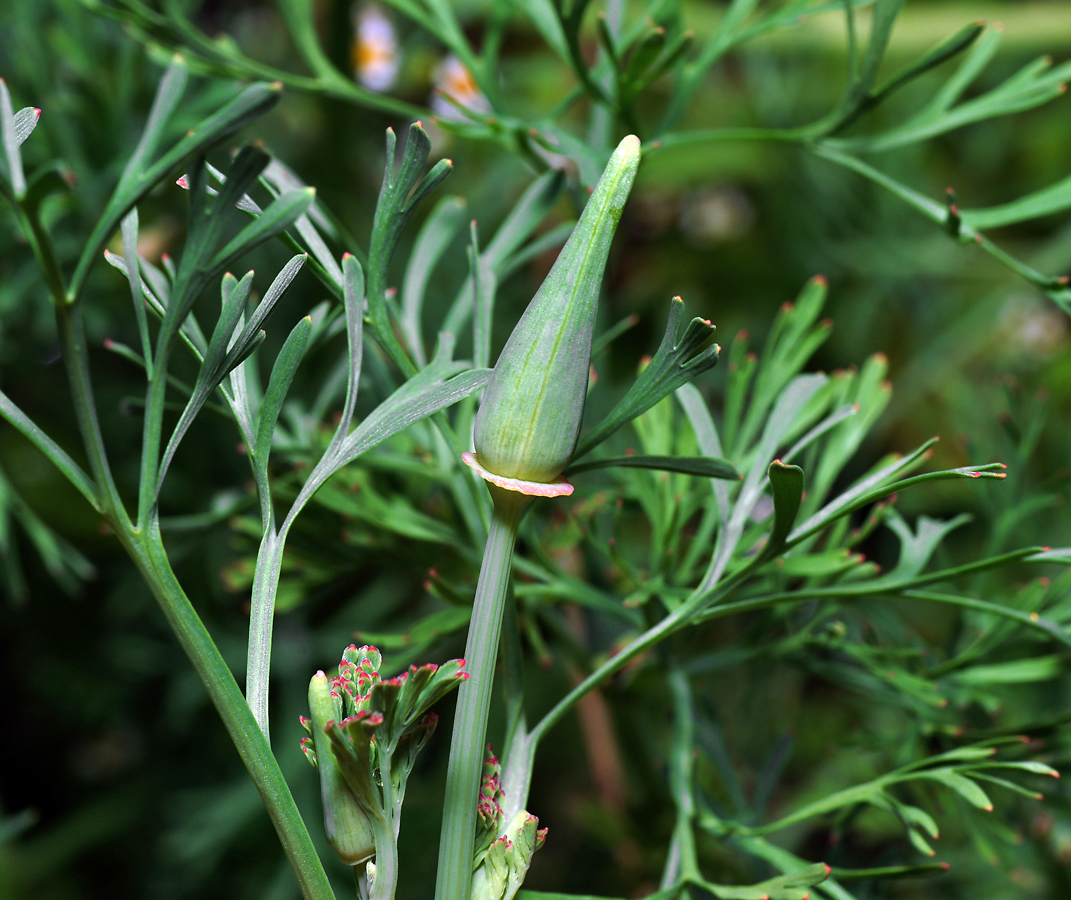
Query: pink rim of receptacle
[[560, 488]]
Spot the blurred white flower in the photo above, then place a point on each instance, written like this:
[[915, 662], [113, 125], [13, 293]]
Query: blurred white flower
[[713, 216], [455, 81], [375, 48]]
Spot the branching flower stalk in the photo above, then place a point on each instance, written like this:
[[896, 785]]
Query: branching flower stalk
[[525, 434]]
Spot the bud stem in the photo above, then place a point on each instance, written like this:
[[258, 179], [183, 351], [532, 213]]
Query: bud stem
[[467, 745]]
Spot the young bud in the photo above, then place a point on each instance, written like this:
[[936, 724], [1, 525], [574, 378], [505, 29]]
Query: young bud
[[349, 831], [500, 875], [529, 419]]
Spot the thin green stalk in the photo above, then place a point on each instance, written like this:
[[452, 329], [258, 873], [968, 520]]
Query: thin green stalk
[[41, 242], [148, 553], [261, 622], [474, 699], [683, 861], [385, 831], [76, 357], [152, 431]]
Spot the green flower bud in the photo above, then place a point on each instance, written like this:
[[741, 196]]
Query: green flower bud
[[349, 831], [529, 419], [500, 875]]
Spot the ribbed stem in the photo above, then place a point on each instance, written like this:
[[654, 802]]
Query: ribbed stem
[[474, 699]]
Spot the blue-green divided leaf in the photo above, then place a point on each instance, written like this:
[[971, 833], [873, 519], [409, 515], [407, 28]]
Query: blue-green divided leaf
[[211, 374], [678, 360], [1008, 785], [398, 197], [793, 339], [914, 817], [918, 870], [1054, 199], [156, 296], [916, 549], [168, 94], [962, 785], [253, 101], [859, 94], [129, 231], [847, 501], [206, 225], [1017, 671], [703, 466], [279, 216], [282, 374], [235, 295], [793, 886], [438, 385], [247, 341], [786, 487], [823, 564], [868, 393], [352, 298], [943, 51]]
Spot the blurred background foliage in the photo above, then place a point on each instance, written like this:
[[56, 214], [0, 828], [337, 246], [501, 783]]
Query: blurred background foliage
[[116, 779]]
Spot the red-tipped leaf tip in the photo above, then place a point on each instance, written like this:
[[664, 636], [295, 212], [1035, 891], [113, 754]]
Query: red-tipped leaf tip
[[946, 866], [677, 299], [183, 183], [417, 124], [821, 280], [36, 113]]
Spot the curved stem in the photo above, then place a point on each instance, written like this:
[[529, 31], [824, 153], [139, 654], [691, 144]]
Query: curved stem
[[76, 357], [148, 554], [474, 699]]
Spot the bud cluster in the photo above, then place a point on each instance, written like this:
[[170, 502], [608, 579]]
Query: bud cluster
[[502, 855], [364, 733]]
